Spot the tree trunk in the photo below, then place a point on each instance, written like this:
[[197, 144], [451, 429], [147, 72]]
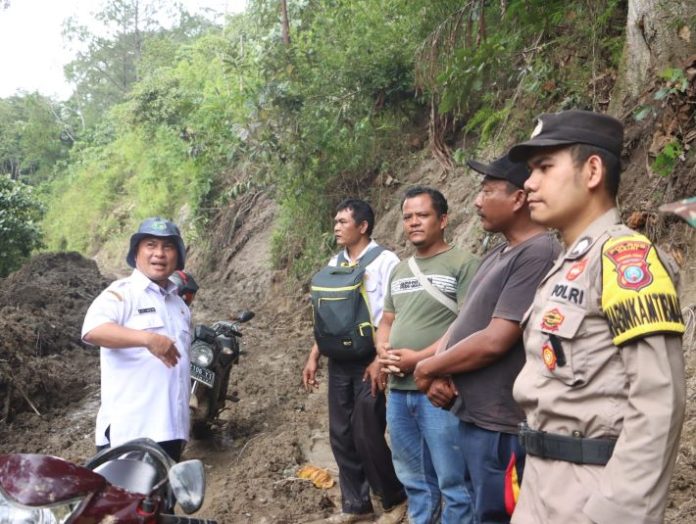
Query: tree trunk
[[285, 22], [138, 36], [657, 37]]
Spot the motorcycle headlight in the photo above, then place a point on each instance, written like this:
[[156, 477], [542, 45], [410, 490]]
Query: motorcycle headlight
[[56, 514], [202, 354]]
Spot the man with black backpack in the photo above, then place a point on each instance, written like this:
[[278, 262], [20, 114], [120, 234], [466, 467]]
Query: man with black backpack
[[347, 297]]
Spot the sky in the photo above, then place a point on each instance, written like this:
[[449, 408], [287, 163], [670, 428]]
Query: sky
[[32, 51]]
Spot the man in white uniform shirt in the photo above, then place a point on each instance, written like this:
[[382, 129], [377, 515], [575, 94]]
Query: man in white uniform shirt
[[143, 328]]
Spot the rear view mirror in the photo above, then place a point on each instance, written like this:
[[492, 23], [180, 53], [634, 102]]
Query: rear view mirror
[[187, 480], [245, 316]]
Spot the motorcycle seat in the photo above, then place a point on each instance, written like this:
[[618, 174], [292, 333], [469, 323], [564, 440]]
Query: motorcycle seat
[[130, 474]]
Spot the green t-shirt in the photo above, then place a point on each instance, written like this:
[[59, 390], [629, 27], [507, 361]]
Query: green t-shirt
[[420, 319]]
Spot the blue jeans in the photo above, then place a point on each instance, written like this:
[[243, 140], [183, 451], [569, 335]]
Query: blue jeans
[[427, 454], [495, 462]]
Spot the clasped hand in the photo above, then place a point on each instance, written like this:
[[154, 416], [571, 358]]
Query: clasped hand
[[397, 362], [439, 390]]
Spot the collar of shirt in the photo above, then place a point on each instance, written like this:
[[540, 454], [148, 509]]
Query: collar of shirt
[[139, 279], [362, 253], [586, 240], [590, 235]]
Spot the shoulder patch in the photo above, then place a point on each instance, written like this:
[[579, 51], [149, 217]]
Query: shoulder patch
[[114, 293], [638, 295]]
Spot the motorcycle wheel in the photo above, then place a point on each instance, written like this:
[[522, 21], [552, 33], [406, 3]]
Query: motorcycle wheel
[[200, 425], [201, 430], [224, 386]]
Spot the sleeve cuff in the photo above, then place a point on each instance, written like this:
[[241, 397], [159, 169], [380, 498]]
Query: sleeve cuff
[[92, 323]]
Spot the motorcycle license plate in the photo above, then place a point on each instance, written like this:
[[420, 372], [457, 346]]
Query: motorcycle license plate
[[202, 375]]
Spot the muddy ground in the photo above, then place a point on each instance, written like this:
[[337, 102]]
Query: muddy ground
[[252, 456]]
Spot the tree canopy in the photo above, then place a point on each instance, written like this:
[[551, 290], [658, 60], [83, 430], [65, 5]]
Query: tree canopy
[[306, 100], [20, 213]]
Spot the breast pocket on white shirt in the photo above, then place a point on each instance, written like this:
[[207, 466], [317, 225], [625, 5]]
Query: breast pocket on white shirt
[[146, 322]]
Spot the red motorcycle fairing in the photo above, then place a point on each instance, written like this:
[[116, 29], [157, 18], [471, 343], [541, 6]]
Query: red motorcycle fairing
[[121, 505], [40, 480]]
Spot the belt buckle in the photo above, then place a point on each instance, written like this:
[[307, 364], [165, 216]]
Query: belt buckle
[[532, 440], [522, 433]]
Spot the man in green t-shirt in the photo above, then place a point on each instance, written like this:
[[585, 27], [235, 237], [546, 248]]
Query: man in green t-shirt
[[418, 309]]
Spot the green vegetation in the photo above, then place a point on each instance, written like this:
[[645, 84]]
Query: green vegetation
[[196, 115], [35, 137], [19, 234], [493, 65], [667, 159], [673, 91]]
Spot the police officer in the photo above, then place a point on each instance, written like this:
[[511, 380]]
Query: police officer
[[142, 326], [603, 386]]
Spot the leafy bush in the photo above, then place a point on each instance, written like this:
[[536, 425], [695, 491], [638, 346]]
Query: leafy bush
[[20, 212], [486, 59]]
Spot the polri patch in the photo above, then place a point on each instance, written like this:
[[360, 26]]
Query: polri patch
[[638, 295], [569, 293], [146, 310]]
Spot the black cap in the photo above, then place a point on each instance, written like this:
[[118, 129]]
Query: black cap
[[503, 169], [572, 127]]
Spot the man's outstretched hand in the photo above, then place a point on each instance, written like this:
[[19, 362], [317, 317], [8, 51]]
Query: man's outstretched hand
[[163, 348]]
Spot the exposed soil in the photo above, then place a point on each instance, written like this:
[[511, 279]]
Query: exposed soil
[[41, 307], [253, 455]]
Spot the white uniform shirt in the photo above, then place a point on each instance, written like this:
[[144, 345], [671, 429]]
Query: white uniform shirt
[[140, 396], [377, 275]]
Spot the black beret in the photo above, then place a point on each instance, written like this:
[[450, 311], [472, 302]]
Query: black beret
[[572, 127]]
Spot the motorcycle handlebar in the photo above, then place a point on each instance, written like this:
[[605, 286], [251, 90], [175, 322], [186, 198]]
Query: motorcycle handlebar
[[225, 327]]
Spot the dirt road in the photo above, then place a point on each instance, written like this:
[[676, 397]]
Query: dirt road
[[253, 456]]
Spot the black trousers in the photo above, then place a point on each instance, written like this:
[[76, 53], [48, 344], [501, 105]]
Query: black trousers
[[173, 448], [357, 422]]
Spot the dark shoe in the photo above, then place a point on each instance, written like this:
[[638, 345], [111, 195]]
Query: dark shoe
[[346, 518], [395, 514]]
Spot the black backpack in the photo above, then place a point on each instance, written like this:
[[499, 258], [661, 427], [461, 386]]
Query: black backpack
[[343, 327]]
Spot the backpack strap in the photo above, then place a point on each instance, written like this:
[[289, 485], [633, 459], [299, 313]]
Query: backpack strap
[[370, 256], [363, 261], [430, 289]]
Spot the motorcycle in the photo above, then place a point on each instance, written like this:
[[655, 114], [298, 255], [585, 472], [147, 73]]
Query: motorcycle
[[214, 351], [136, 483]]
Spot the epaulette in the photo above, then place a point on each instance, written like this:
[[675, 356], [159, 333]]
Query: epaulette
[[115, 287], [114, 293]]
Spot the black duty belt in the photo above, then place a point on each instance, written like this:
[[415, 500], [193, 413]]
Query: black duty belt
[[579, 450]]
